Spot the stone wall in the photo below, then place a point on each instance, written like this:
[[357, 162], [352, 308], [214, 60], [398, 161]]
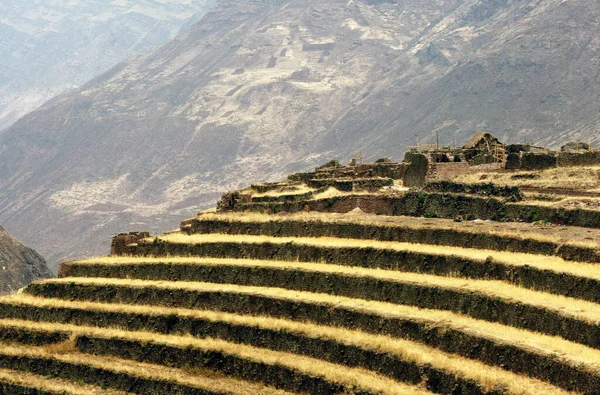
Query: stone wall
[[538, 161], [488, 189], [382, 169], [417, 170], [513, 161], [587, 158], [119, 243], [349, 185], [542, 161], [449, 171], [442, 205]]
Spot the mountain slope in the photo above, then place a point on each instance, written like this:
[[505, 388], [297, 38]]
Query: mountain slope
[[48, 47], [19, 265], [262, 88]]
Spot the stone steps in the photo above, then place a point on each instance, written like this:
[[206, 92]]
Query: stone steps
[[547, 274], [432, 205], [513, 349], [15, 382], [68, 364], [504, 237], [185, 354], [494, 301], [278, 306], [399, 359]]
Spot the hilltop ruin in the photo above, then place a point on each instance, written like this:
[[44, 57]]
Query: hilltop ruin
[[431, 162], [296, 287]]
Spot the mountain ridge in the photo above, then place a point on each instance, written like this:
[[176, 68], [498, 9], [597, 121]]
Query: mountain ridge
[[51, 47]]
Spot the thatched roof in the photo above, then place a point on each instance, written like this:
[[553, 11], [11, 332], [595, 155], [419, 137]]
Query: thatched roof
[[482, 139]]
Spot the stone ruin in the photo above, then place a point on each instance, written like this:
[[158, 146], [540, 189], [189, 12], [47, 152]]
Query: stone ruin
[[121, 241], [333, 170], [421, 164], [482, 148], [572, 154], [428, 163], [484, 152]]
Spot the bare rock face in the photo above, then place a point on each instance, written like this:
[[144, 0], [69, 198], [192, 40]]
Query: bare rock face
[[19, 265], [259, 89]]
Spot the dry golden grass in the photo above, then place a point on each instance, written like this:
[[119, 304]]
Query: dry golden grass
[[515, 230], [581, 178], [587, 203], [555, 346], [542, 262], [209, 381], [577, 308], [487, 377], [332, 192], [299, 190], [28, 380], [346, 376]]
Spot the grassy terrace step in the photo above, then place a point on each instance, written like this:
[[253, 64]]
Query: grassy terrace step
[[502, 237], [400, 359], [548, 274], [286, 371], [288, 196], [31, 337], [14, 382], [566, 364], [440, 205], [494, 301], [119, 374]]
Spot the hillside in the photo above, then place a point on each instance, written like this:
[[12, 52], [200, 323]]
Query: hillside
[[48, 47], [19, 265], [338, 281], [316, 303], [258, 89]]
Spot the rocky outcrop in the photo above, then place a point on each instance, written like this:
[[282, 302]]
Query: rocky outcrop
[[19, 265]]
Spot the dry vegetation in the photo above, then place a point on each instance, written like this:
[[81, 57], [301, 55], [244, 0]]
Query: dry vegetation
[[581, 358], [570, 352], [542, 262], [348, 377], [333, 192], [550, 233], [568, 202], [28, 380], [579, 178], [573, 352], [209, 380], [488, 377], [297, 190], [581, 309]]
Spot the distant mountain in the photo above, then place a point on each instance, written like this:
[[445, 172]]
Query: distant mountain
[[49, 46], [259, 89], [19, 265]]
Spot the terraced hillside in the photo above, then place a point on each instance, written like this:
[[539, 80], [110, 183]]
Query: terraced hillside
[[493, 194], [315, 303]]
